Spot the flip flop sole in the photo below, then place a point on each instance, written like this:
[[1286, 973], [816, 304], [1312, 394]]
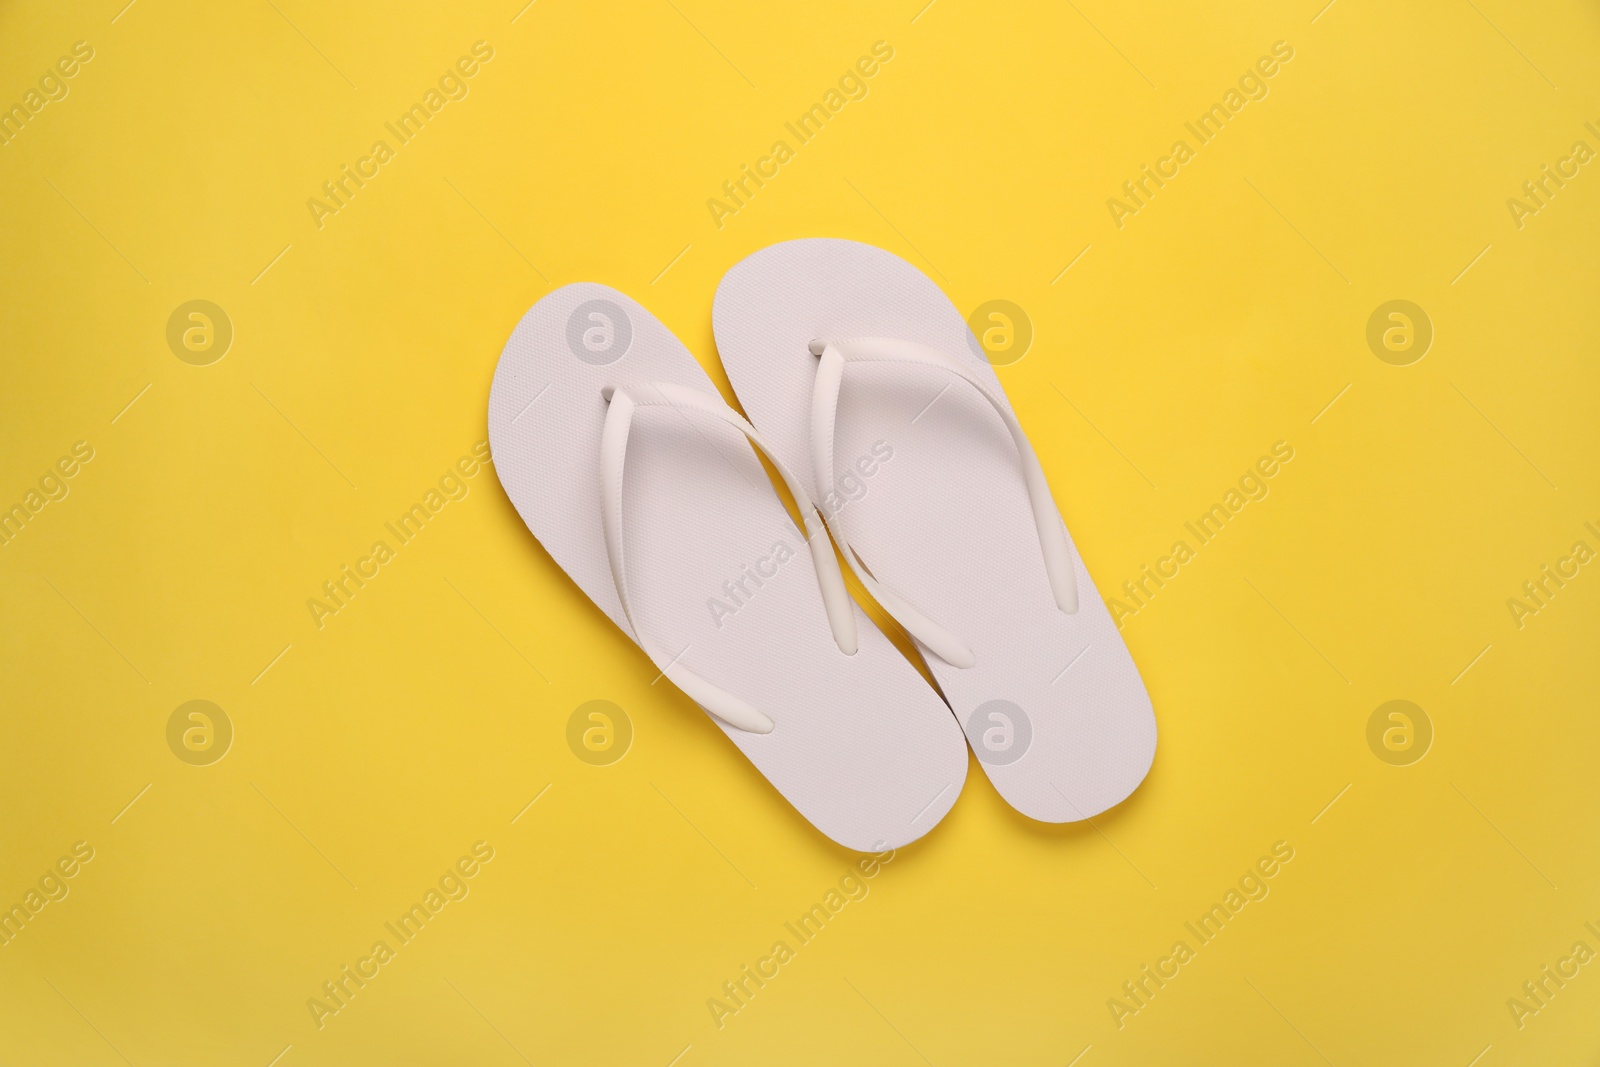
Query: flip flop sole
[[1054, 707], [718, 573]]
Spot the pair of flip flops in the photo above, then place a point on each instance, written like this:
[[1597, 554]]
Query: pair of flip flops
[[886, 424]]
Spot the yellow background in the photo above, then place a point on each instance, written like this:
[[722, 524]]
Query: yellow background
[[371, 753]]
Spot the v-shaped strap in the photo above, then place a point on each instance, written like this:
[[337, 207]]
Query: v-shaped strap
[[625, 401], [834, 355]]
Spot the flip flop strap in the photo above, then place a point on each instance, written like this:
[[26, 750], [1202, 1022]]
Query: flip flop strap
[[624, 402], [1057, 553]]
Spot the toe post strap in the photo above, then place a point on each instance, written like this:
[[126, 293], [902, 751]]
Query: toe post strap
[[625, 401], [833, 357]]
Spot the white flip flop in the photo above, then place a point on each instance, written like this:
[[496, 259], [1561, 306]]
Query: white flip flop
[[625, 463], [957, 536]]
